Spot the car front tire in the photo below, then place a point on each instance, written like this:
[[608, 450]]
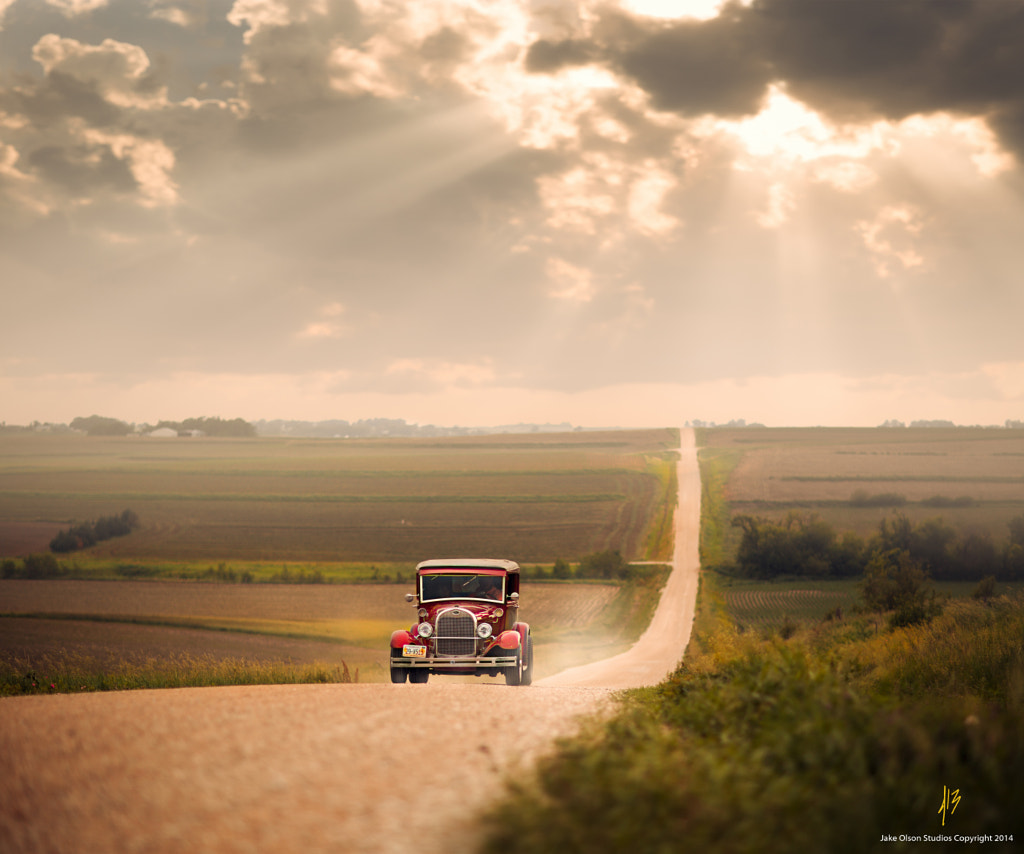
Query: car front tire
[[398, 674], [514, 674]]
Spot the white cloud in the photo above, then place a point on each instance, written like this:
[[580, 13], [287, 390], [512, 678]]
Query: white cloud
[[780, 205], [848, 176], [357, 72], [173, 15], [888, 237], [580, 198], [4, 6], [116, 68], [73, 8], [259, 15], [150, 161], [329, 327], [647, 193], [571, 284]]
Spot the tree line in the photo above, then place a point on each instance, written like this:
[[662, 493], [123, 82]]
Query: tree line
[[805, 545], [98, 425], [86, 534]]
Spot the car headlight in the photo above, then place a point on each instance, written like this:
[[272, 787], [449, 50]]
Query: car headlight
[[424, 630], [484, 630]]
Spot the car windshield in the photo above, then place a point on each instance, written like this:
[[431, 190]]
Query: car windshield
[[461, 586]]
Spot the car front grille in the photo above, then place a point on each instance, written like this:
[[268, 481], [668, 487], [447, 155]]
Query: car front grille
[[456, 633]]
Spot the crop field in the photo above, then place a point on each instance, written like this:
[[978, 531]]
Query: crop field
[[852, 478], [104, 625], [531, 497], [767, 605]]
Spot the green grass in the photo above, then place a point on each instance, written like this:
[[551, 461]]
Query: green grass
[[661, 532], [716, 535], [85, 566]]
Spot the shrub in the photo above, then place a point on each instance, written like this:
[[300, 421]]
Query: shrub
[[606, 564], [861, 498], [894, 581], [985, 589]]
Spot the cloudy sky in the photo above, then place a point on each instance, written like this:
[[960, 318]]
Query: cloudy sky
[[478, 212]]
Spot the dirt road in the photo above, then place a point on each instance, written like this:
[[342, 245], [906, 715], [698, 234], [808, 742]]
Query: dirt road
[[661, 647], [306, 768]]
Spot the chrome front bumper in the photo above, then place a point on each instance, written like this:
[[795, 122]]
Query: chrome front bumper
[[467, 661]]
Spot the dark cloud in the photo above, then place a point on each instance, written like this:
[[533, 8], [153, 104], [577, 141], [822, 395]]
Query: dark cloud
[[854, 61], [697, 68], [82, 170], [546, 56], [58, 97]]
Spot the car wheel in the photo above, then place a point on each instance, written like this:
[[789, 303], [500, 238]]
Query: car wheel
[[419, 676], [514, 674], [398, 674], [527, 677]]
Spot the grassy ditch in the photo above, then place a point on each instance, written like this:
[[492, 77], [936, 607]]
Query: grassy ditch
[[827, 742]]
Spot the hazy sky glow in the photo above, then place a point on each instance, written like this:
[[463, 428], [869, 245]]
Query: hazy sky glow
[[478, 212]]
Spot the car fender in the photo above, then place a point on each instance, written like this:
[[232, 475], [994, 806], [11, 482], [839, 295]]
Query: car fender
[[523, 629], [510, 640], [401, 638]]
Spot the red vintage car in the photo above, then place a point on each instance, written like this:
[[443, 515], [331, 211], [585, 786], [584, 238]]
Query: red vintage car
[[468, 623]]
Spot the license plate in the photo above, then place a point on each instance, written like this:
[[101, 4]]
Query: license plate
[[411, 650]]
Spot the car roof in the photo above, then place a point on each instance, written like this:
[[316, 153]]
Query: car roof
[[468, 563]]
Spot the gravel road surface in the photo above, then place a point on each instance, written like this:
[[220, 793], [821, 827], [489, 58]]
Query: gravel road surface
[[306, 768]]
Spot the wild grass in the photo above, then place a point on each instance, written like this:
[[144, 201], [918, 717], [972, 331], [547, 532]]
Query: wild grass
[[372, 634], [71, 673], [237, 571], [716, 467], [793, 746], [661, 531]]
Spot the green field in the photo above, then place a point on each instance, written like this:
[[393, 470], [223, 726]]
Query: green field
[[531, 497]]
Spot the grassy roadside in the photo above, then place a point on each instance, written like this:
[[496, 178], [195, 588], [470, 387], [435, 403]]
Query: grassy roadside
[[73, 674], [825, 741], [237, 571]]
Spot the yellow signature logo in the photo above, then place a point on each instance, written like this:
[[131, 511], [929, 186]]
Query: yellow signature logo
[[950, 801]]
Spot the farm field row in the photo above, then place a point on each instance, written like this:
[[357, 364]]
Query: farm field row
[[767, 605], [534, 498], [977, 474]]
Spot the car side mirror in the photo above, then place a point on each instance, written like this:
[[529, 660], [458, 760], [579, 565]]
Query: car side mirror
[[513, 600], [410, 597]]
